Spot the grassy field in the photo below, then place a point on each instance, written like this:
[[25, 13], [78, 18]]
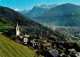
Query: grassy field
[[9, 48], [76, 41]]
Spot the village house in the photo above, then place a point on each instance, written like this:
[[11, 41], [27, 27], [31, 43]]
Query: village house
[[77, 54], [51, 52], [54, 53], [74, 52], [47, 46], [1, 32], [62, 54], [33, 43], [25, 39]]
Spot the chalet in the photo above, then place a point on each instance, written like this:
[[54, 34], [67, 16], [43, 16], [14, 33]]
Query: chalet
[[1, 32], [62, 54], [25, 39], [72, 50], [33, 43], [47, 46], [77, 54], [51, 52]]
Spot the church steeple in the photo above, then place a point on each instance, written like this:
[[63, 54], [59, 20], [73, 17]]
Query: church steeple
[[17, 30], [17, 24]]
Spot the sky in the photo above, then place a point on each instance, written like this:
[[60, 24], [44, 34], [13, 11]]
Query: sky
[[29, 4]]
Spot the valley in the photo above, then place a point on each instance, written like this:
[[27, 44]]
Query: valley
[[41, 31]]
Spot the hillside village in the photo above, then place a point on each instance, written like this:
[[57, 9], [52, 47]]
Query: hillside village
[[39, 28], [49, 47], [45, 45]]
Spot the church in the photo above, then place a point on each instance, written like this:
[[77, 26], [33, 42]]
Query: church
[[23, 38], [17, 30]]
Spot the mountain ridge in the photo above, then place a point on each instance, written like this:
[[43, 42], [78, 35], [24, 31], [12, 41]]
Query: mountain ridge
[[62, 15], [38, 10]]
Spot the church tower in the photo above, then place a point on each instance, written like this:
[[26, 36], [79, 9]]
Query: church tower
[[17, 30]]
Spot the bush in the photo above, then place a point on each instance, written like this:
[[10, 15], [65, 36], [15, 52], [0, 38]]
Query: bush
[[22, 30], [68, 42], [62, 51], [31, 48], [14, 37], [41, 56]]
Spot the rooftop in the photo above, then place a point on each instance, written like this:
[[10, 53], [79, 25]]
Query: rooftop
[[54, 53], [26, 35], [47, 44], [33, 41], [72, 50]]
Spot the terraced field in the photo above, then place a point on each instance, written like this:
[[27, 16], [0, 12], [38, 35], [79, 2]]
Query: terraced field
[[9, 48]]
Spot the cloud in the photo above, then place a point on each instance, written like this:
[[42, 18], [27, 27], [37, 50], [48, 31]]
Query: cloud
[[17, 10]]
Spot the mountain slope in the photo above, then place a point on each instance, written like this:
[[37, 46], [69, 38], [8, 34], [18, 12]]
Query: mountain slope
[[9, 48], [14, 17], [62, 15], [38, 10], [33, 28]]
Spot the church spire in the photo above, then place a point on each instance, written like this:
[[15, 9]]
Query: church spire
[[17, 24], [17, 30]]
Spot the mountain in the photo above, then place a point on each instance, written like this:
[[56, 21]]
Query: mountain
[[9, 48], [10, 17], [38, 10], [62, 15], [24, 12]]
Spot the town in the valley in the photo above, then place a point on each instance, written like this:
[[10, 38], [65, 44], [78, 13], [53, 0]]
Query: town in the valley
[[49, 47]]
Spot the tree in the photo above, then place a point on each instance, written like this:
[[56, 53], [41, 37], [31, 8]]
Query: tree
[[14, 37], [22, 30]]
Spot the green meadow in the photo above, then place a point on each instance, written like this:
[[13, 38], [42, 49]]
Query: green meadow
[[9, 48]]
